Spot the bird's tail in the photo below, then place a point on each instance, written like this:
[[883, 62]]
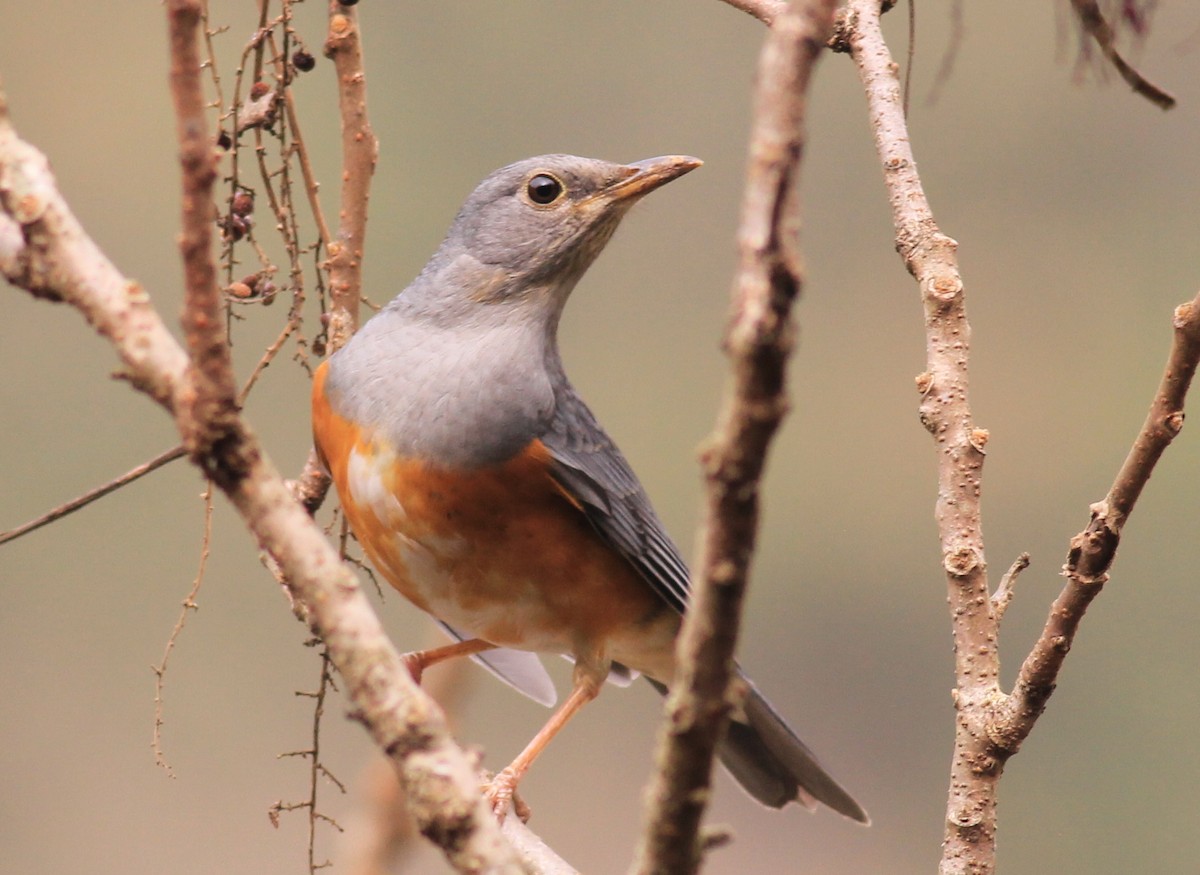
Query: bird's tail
[[774, 766]]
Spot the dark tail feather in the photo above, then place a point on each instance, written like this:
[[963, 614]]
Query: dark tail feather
[[774, 766]]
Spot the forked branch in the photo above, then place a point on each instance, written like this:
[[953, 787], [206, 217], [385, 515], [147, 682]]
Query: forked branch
[[990, 724]]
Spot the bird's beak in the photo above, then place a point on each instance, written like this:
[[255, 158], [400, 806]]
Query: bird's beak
[[645, 176]]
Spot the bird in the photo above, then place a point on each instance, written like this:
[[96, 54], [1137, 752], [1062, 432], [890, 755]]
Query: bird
[[483, 488]]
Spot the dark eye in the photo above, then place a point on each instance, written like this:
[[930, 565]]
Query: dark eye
[[544, 189]]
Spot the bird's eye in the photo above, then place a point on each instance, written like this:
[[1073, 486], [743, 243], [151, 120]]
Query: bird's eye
[[544, 189]]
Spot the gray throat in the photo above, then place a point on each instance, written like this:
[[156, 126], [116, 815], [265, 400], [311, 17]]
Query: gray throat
[[457, 392]]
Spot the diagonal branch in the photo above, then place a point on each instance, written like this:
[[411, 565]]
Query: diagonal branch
[[765, 11], [44, 250], [760, 337], [81, 501], [1094, 23], [1092, 551]]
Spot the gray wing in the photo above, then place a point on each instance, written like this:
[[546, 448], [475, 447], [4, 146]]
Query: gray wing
[[588, 465]]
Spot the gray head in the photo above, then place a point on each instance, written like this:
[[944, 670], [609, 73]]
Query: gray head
[[530, 230]]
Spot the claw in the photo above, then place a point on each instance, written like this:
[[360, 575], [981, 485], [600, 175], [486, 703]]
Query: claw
[[415, 664]]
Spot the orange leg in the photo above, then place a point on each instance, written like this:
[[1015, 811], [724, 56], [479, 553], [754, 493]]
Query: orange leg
[[500, 791], [418, 660]]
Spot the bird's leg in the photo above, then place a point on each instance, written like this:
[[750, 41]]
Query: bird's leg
[[417, 661], [502, 787]]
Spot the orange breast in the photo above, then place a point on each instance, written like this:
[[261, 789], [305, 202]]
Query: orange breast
[[500, 552]]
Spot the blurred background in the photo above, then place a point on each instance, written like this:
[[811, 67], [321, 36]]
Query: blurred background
[[1077, 207]]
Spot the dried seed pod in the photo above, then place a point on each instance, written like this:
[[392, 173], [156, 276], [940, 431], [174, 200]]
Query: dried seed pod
[[303, 61], [242, 204]]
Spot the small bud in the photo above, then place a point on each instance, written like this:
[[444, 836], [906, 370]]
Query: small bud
[[318, 346], [241, 291], [224, 141], [303, 61], [267, 290], [259, 89]]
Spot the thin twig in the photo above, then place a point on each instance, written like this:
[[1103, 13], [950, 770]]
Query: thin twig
[[1003, 595], [954, 42], [316, 769], [312, 188], [1092, 551], [91, 495], [759, 339], [1093, 22], [188, 605]]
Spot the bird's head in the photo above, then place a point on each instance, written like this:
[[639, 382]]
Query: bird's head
[[531, 229]]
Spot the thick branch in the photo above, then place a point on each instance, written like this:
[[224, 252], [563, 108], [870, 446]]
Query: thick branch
[[760, 338], [929, 255]]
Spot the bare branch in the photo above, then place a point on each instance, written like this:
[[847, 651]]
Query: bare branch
[[207, 410], [760, 337], [1093, 550], [360, 150], [91, 495], [945, 411], [765, 11], [1003, 595], [188, 604], [1094, 23], [990, 724]]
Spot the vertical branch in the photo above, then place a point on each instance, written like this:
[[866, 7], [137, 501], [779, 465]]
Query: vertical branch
[[360, 150], [929, 255], [760, 338], [209, 404]]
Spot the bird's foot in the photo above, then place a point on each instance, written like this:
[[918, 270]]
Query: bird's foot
[[501, 791], [414, 662]]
